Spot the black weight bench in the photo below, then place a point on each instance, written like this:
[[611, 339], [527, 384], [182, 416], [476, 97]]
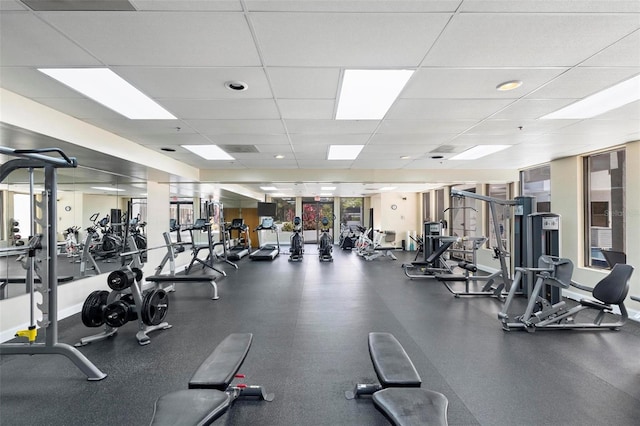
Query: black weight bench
[[187, 279], [399, 395], [210, 393]]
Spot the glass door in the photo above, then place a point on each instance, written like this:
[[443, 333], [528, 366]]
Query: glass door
[[313, 210]]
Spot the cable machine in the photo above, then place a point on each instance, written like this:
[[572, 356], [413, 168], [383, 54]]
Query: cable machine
[[44, 245]]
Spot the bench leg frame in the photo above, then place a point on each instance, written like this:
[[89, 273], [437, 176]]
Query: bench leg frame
[[363, 389]]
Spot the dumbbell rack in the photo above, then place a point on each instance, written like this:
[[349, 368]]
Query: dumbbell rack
[[122, 283]]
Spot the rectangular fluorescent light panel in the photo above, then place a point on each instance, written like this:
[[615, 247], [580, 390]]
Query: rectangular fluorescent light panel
[[368, 94], [326, 194], [479, 151], [268, 188], [606, 100], [344, 152], [208, 152], [107, 188], [387, 188], [328, 188], [107, 88]]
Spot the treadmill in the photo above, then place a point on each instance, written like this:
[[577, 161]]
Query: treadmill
[[267, 251], [241, 249]]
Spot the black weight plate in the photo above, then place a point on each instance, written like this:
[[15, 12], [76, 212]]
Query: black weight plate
[[155, 307], [93, 308], [120, 279], [138, 273], [116, 314]]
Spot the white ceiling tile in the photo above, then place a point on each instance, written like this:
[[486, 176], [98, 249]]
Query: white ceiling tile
[[28, 41], [503, 6], [161, 38], [284, 149], [475, 83], [190, 5], [446, 109], [469, 140], [298, 139], [527, 40], [393, 126], [400, 149], [125, 127], [627, 112], [215, 127], [518, 127], [263, 163], [12, 5], [239, 139], [581, 82], [304, 109], [31, 83], [381, 139], [324, 164], [602, 127], [526, 109], [346, 40], [196, 83], [178, 138], [353, 5], [330, 127], [199, 109], [382, 163], [624, 53], [304, 83]]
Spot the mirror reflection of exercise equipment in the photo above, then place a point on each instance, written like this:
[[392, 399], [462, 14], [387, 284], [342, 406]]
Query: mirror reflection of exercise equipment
[[242, 244]]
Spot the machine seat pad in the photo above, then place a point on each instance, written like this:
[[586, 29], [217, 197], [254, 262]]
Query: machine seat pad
[[451, 277], [219, 369], [391, 363], [180, 278], [405, 407], [595, 304], [190, 407]]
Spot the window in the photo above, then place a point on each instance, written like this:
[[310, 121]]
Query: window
[[426, 207], [439, 205], [500, 192], [605, 209], [351, 210], [285, 209], [536, 182]]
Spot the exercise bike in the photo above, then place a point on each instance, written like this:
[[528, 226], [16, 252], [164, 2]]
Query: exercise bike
[[297, 241], [325, 244]]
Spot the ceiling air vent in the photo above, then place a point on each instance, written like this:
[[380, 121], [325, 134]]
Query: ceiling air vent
[[239, 149]]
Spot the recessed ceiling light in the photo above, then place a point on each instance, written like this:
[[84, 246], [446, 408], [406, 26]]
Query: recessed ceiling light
[[208, 152], [509, 85], [344, 152], [168, 149], [268, 188], [614, 97], [405, 157], [108, 88], [279, 156], [328, 188], [479, 151], [236, 85], [368, 94]]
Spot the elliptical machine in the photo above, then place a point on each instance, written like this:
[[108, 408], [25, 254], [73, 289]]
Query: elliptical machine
[[297, 241], [325, 244]]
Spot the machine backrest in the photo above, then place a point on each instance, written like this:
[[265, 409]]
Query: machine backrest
[[562, 270], [613, 288], [439, 252]]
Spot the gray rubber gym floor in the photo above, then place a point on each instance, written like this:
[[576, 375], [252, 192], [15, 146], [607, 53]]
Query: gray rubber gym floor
[[310, 322]]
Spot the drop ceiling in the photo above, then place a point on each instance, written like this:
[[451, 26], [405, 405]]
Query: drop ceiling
[[292, 55]]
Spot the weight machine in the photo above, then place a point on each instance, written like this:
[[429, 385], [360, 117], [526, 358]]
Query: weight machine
[[44, 245]]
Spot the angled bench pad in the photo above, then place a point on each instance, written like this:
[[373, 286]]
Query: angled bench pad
[[218, 370], [391, 363], [412, 407], [190, 407]]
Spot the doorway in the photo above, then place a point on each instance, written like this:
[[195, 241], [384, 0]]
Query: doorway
[[313, 210]]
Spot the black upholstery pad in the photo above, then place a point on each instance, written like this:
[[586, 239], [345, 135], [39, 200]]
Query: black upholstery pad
[[218, 370], [392, 364], [190, 407], [412, 407]]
